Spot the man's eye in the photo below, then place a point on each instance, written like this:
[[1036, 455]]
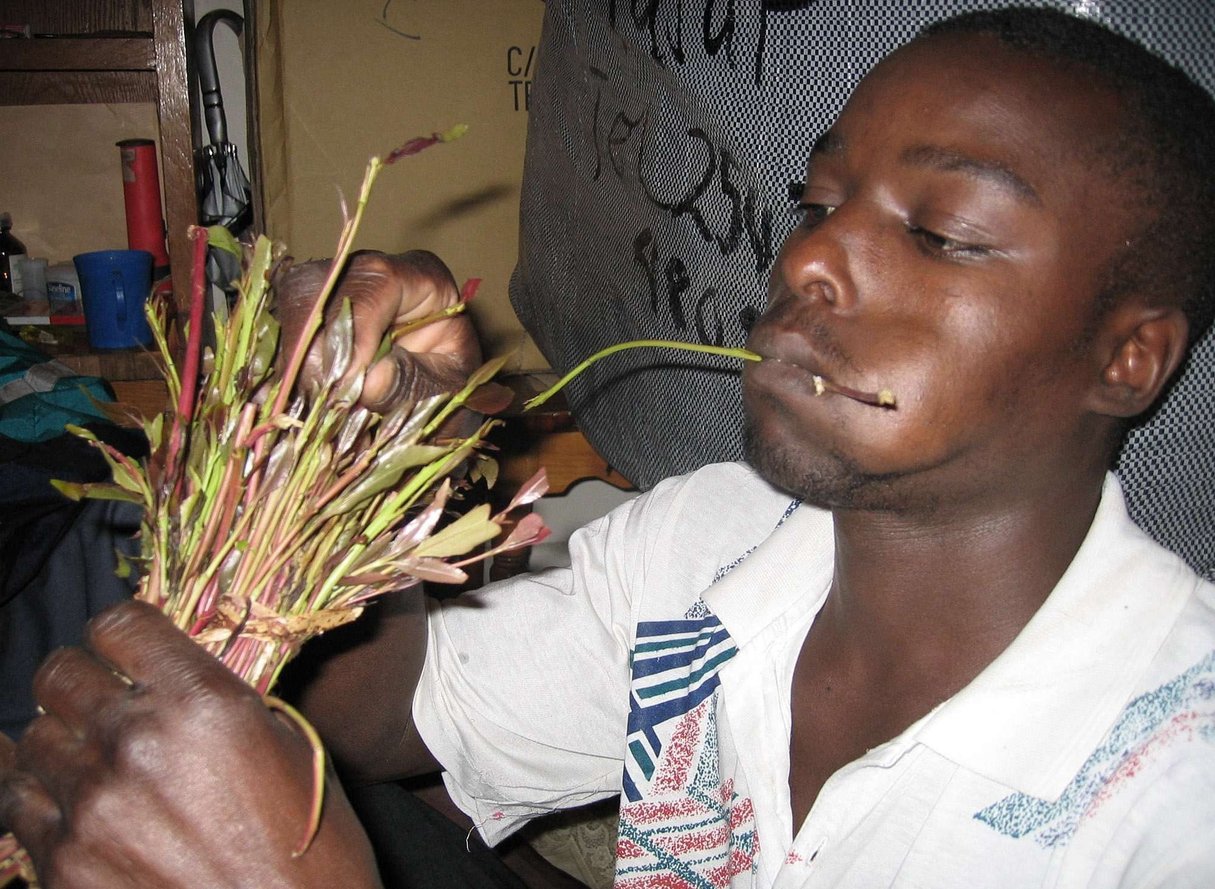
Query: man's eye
[[942, 245], [812, 214]]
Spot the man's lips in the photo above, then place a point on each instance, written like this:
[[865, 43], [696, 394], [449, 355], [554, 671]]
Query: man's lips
[[824, 385]]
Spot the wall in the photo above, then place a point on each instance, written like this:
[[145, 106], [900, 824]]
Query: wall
[[62, 178]]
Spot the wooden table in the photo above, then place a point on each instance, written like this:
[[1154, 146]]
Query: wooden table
[[134, 374]]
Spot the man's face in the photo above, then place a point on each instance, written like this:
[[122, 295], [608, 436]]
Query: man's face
[[956, 228]]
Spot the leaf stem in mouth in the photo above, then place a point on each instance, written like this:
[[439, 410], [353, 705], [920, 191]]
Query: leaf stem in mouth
[[882, 398]]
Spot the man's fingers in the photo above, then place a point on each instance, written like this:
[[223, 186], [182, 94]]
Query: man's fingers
[[384, 291], [143, 645], [385, 384], [61, 757], [405, 377], [376, 291], [75, 686]]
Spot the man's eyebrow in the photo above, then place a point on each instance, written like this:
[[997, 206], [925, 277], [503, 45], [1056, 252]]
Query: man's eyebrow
[[991, 171]]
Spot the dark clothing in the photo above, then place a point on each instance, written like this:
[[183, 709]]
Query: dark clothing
[[57, 557]]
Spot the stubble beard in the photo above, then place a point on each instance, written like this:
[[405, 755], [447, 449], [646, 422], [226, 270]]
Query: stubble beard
[[826, 481]]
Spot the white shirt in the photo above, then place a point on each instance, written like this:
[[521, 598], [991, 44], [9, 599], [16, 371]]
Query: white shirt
[[1082, 756]]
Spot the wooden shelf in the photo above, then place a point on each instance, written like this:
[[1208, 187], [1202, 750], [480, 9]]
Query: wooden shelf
[[76, 87], [71, 53], [114, 51]]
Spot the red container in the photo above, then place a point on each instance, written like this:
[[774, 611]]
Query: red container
[[141, 195]]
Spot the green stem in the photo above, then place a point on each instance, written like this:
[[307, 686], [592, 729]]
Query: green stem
[[726, 351], [409, 326], [336, 265]]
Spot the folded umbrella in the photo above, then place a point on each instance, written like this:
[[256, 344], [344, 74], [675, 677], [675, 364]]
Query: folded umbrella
[[224, 195]]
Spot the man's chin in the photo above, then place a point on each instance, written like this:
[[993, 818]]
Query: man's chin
[[824, 481]]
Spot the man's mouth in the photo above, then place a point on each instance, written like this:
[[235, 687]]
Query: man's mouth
[[823, 385]]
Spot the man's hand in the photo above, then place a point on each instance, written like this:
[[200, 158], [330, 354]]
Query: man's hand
[[154, 766], [386, 291]]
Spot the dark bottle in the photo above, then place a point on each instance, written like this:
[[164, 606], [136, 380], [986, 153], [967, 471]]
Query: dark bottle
[[9, 246]]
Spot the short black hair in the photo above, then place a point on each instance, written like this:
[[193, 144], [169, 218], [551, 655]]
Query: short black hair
[[1166, 153]]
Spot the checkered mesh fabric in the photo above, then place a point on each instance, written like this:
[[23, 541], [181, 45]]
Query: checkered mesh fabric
[[662, 142]]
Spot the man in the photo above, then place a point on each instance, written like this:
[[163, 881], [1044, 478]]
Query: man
[[910, 646]]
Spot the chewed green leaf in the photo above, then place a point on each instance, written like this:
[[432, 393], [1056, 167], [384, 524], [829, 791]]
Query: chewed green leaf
[[126, 477], [259, 268], [185, 512], [338, 344], [490, 398], [479, 377], [124, 568], [348, 389], [485, 373], [154, 430], [530, 491], [405, 421], [433, 569], [416, 455], [265, 347], [278, 464], [353, 428], [486, 468], [469, 530], [424, 523]]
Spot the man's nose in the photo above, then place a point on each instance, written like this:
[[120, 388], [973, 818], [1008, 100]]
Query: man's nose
[[816, 263]]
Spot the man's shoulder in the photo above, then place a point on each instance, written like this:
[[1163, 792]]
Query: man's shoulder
[[732, 472], [1181, 672], [1190, 645], [1171, 716], [690, 529], [717, 488], [1203, 603], [1192, 636]]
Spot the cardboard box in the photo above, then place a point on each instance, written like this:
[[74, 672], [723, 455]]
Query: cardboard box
[[340, 82]]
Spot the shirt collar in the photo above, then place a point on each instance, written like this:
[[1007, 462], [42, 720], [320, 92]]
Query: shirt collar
[[1033, 716], [788, 572]]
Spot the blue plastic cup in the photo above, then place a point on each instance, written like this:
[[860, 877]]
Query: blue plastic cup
[[114, 286]]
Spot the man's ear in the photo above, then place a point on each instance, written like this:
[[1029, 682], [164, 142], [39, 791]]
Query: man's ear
[[1143, 346]]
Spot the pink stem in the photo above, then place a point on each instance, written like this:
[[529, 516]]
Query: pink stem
[[189, 374], [198, 292]]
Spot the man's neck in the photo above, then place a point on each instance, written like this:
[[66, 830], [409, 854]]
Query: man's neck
[[917, 609], [957, 582]]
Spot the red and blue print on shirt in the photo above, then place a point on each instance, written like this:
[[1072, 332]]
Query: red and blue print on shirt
[[681, 823]]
